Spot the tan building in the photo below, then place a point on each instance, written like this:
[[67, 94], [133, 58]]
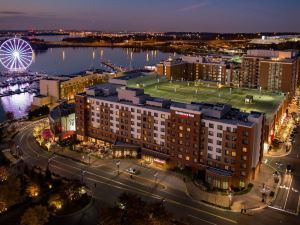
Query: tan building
[[66, 87], [215, 139], [213, 69], [270, 70]]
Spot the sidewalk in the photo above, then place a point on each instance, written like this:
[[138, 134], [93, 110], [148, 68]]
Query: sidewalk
[[250, 201], [279, 152], [77, 156]]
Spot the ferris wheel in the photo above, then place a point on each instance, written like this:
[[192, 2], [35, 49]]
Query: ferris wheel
[[16, 54]]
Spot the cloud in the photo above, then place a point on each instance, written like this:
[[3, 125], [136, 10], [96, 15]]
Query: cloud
[[193, 7], [11, 13]]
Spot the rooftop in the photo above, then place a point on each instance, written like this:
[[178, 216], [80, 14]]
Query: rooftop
[[187, 92], [136, 97]]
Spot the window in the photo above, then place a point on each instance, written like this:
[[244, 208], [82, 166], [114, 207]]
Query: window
[[220, 127], [162, 116], [219, 142], [218, 158], [188, 129], [245, 133], [211, 125], [245, 141], [225, 184], [233, 154], [244, 157], [187, 158], [210, 140], [242, 184], [219, 135], [218, 150], [228, 129], [180, 135], [180, 127], [244, 149], [209, 156], [209, 148], [226, 167], [210, 133], [179, 156]]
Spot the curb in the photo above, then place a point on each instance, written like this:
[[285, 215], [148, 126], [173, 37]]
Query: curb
[[79, 211]]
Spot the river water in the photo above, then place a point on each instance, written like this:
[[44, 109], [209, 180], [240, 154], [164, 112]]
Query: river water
[[61, 61]]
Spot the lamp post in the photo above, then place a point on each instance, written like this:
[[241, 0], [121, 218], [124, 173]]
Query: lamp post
[[118, 166], [49, 160], [230, 196], [82, 176], [155, 176]]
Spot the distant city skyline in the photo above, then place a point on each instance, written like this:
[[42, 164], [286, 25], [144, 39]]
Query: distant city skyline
[[155, 15]]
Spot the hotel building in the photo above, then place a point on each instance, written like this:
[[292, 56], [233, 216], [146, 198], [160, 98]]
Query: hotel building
[[191, 68], [270, 70], [221, 142]]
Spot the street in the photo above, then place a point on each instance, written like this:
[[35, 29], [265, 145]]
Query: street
[[109, 185], [287, 198]]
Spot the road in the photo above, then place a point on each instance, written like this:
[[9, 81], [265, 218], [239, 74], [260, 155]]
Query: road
[[287, 198], [109, 185]]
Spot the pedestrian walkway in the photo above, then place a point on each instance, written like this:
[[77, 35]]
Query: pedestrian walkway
[[77, 156], [250, 201]]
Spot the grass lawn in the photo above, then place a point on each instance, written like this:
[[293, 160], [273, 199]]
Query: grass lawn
[[183, 91]]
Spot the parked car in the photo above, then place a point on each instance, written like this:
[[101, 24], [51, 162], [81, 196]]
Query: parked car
[[132, 171], [288, 169]]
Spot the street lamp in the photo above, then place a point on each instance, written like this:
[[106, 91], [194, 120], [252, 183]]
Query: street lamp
[[118, 166], [49, 160], [82, 175], [230, 196], [264, 192], [276, 177], [155, 176]]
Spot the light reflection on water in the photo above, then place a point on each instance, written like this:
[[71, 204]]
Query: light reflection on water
[[71, 60]]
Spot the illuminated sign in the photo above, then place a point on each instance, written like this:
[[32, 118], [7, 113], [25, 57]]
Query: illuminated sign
[[184, 115]]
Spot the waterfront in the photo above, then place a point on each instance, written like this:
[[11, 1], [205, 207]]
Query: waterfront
[[60, 61]]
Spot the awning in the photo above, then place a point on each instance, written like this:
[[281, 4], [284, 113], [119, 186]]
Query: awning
[[155, 154], [68, 134], [120, 144], [219, 172]]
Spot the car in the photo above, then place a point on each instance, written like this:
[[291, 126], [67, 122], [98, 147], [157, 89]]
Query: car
[[279, 164], [132, 171], [288, 169]]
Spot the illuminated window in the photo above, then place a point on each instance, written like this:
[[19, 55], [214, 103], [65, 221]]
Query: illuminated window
[[180, 127], [233, 154], [244, 149], [187, 158]]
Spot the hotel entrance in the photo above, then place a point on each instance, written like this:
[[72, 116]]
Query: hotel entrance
[[150, 159], [124, 150]]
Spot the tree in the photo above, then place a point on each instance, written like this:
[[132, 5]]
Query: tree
[[4, 173], [10, 192], [132, 208], [9, 115], [38, 215], [33, 190]]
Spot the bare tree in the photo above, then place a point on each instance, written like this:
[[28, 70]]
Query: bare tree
[[38, 215]]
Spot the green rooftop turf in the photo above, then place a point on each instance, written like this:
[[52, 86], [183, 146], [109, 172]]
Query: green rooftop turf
[[195, 92]]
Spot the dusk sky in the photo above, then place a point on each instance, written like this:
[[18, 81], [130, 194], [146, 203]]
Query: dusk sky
[[152, 15]]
